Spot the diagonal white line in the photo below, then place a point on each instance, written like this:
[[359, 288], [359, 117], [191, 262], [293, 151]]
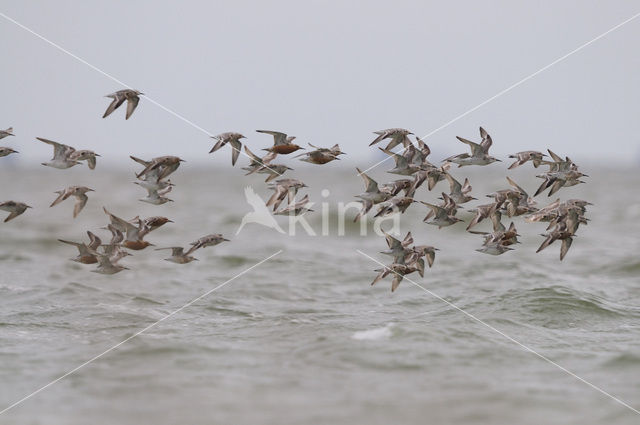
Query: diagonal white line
[[23, 399], [525, 347], [111, 77], [513, 86]]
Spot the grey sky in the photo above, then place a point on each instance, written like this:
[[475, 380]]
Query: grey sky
[[325, 71]]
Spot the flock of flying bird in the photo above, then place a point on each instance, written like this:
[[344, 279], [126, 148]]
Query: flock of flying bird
[[411, 162], [129, 235], [564, 218]]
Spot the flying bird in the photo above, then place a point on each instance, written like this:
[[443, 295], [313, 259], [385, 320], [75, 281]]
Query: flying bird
[[78, 192], [131, 96]]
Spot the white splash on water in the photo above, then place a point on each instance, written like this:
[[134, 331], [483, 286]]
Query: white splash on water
[[373, 334]]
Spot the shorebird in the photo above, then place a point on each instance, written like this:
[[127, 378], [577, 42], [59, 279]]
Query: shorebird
[[284, 188], [131, 96], [523, 157], [394, 205], [443, 215], [397, 136], [282, 144], [421, 154], [321, 156], [6, 133], [403, 253], [459, 192], [494, 248], [257, 162], [151, 223], [403, 166], [398, 249], [448, 204], [162, 165], [558, 179], [562, 233], [260, 213], [234, 141], [14, 208], [85, 252], [518, 202], [151, 183], [482, 212], [78, 192], [133, 234], [61, 155], [152, 180], [431, 174], [208, 240], [178, 255], [297, 208], [562, 173], [372, 195], [273, 171], [85, 155], [106, 266], [418, 251], [156, 197], [396, 186], [497, 242], [4, 151], [479, 152], [398, 270]]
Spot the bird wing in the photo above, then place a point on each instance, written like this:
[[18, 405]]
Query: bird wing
[[220, 143], [401, 161], [566, 244], [476, 149], [396, 281], [236, 145], [116, 235], [140, 161], [60, 198], [370, 184], [514, 184], [486, 140], [94, 241], [132, 103], [81, 201], [454, 185], [91, 162], [277, 197], [60, 151], [278, 137], [115, 104], [391, 241]]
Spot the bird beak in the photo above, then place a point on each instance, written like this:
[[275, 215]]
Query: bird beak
[[98, 155], [169, 221], [225, 239]]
